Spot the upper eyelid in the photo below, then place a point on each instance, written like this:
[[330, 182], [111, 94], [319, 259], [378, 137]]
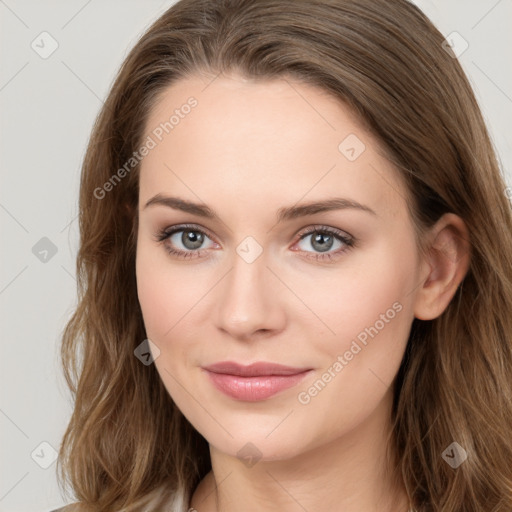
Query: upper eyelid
[[323, 228], [337, 232], [183, 227]]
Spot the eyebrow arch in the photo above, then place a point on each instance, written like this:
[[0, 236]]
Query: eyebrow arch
[[283, 214]]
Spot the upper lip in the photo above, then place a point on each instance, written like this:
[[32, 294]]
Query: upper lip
[[253, 370]]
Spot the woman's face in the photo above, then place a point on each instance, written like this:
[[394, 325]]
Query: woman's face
[[253, 281]]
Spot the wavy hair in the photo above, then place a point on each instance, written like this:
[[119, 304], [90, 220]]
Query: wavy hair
[[127, 446]]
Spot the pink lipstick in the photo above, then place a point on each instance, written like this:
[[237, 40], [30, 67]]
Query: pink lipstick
[[254, 382]]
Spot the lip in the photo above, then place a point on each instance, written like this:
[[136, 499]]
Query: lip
[[254, 382], [258, 369]]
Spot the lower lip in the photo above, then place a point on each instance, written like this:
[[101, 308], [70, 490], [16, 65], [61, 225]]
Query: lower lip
[[253, 389]]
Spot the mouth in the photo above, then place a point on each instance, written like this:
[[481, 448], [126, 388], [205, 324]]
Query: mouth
[[255, 382]]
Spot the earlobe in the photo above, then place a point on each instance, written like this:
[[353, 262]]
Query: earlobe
[[447, 262]]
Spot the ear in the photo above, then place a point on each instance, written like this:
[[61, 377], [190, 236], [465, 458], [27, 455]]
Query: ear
[[444, 266]]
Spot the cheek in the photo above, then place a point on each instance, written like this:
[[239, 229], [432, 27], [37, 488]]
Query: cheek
[[167, 293], [368, 311], [353, 298], [165, 299], [370, 315], [149, 289], [158, 291]]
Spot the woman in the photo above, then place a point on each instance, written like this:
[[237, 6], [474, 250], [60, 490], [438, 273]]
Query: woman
[[295, 271]]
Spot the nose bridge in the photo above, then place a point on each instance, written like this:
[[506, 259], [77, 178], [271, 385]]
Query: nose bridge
[[248, 300]]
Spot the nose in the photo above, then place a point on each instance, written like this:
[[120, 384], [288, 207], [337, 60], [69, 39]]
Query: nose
[[250, 300]]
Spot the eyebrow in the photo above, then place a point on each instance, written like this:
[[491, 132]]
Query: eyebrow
[[283, 214]]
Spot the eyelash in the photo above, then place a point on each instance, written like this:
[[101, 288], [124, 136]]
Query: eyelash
[[349, 242]]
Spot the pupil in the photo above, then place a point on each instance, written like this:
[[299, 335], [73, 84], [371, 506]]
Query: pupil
[[192, 239], [328, 239]]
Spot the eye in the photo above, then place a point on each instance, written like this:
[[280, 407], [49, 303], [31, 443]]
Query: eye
[[184, 240], [322, 239]]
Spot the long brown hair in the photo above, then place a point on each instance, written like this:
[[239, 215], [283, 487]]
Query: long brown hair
[[127, 443]]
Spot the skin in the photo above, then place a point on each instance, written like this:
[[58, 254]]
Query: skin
[[247, 149]]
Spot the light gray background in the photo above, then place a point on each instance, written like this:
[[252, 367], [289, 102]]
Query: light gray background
[[47, 110]]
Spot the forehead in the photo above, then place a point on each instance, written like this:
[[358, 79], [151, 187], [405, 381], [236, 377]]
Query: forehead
[[244, 139]]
